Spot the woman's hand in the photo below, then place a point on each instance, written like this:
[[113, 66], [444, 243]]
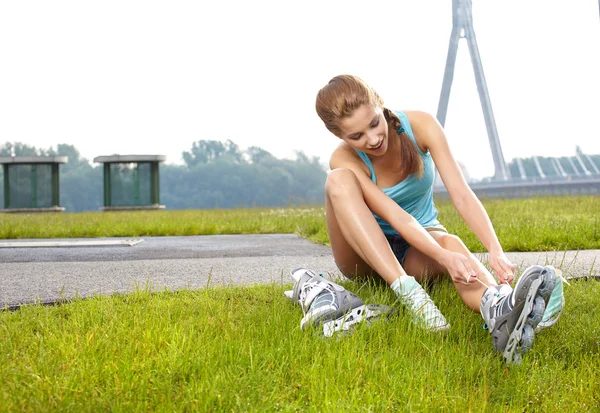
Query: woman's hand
[[459, 268], [504, 269]]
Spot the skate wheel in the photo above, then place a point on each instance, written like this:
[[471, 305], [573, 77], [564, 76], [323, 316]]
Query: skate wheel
[[549, 280], [527, 339], [537, 311]]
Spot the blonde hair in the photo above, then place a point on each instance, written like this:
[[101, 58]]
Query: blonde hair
[[346, 93]]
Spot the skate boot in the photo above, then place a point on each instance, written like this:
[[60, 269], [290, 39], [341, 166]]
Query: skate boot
[[424, 312], [330, 305], [512, 315], [555, 304]]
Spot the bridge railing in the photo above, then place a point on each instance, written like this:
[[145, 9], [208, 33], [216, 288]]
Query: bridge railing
[[524, 188]]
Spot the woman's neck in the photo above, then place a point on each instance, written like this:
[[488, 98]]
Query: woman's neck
[[391, 159]]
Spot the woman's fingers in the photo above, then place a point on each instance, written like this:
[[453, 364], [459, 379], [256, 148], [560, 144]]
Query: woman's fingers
[[460, 269], [504, 269], [465, 270]]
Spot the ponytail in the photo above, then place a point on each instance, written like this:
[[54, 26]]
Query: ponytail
[[410, 160]]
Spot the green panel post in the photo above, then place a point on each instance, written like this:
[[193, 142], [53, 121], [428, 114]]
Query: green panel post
[[6, 189], [107, 188], [154, 184], [34, 171], [136, 185], [55, 186]]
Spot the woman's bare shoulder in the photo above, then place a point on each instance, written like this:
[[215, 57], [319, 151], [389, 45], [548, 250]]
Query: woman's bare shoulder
[[344, 156], [341, 154], [424, 125], [418, 117]]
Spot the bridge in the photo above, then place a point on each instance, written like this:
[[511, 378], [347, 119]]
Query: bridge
[[566, 175], [531, 187], [539, 176]]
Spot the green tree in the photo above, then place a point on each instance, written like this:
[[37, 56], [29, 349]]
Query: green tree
[[258, 155], [18, 149], [215, 176], [208, 151], [75, 161]]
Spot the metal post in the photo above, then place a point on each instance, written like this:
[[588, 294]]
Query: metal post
[[136, 185], [553, 163], [55, 186], [486, 104], [462, 26], [563, 173], [539, 167], [107, 186], [34, 171], [6, 188], [521, 168], [573, 166], [585, 170], [592, 162], [154, 184], [455, 36]]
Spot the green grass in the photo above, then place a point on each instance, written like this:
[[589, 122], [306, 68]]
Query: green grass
[[536, 224], [241, 349], [304, 221]]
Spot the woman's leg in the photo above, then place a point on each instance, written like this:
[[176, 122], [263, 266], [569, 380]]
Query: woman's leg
[[359, 246], [422, 267]]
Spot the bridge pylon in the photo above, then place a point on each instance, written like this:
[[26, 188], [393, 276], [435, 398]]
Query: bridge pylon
[[462, 27]]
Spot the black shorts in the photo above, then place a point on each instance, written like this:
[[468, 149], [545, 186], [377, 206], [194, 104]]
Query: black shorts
[[400, 246]]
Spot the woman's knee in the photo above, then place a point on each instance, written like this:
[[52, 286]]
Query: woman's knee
[[341, 181], [450, 242]]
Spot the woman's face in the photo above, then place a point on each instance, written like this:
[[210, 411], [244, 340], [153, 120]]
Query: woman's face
[[366, 130]]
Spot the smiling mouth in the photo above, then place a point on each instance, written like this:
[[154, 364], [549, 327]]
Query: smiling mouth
[[378, 146]]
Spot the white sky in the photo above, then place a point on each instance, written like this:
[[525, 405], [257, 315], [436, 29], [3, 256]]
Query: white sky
[[149, 77]]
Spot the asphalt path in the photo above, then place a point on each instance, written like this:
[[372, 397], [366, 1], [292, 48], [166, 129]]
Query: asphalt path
[[48, 274]]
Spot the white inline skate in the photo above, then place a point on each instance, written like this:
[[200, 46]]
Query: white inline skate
[[512, 315], [330, 305]]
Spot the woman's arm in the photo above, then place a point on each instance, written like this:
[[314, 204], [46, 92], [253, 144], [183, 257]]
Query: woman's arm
[[430, 135], [378, 202]]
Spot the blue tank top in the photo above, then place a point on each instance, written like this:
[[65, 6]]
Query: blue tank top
[[414, 195]]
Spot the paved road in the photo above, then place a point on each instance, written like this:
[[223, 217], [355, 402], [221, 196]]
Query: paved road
[[49, 273]]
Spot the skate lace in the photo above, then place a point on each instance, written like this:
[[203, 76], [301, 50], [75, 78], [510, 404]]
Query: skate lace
[[502, 306], [423, 307], [310, 295]]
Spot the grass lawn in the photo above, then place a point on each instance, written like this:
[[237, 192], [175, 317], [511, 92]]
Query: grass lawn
[[536, 224], [241, 349]]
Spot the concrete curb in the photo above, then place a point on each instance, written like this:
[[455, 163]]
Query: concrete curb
[[48, 275]]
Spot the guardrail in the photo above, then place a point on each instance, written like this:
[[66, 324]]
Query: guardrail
[[527, 188]]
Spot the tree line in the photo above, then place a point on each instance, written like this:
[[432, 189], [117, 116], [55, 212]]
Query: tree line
[[215, 174]]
